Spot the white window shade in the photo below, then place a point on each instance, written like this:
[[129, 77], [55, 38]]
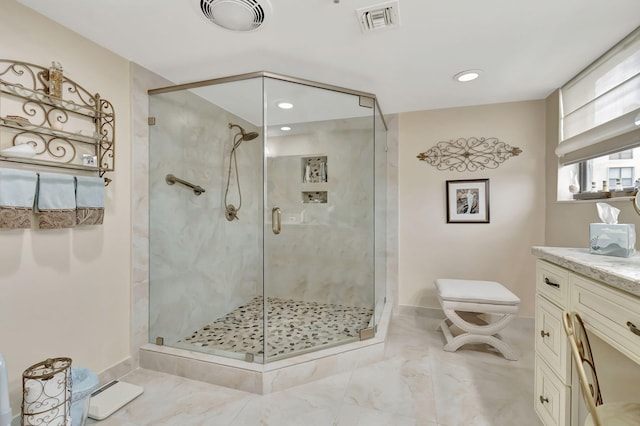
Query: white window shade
[[600, 107]]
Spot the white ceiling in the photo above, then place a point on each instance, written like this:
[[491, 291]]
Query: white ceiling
[[526, 49]]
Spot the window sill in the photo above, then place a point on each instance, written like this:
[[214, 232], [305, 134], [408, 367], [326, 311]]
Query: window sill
[[597, 200]]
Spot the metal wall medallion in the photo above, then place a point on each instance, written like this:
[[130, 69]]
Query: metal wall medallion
[[469, 154]]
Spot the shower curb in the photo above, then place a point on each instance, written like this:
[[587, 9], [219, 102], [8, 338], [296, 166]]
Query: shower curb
[[271, 377]]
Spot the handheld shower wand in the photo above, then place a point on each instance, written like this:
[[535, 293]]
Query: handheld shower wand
[[231, 211]]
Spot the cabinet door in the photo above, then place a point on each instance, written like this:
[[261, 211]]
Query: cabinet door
[[551, 341], [552, 397]]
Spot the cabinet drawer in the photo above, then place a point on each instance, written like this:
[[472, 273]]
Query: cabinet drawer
[[553, 282], [609, 313], [552, 397], [551, 341]]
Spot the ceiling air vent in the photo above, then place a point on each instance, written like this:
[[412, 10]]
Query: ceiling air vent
[[379, 17], [235, 15]]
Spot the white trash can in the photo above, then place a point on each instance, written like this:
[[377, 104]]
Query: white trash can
[[83, 383]]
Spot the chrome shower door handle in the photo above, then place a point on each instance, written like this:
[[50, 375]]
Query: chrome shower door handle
[[276, 220]]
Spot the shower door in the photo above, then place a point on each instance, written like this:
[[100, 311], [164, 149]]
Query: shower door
[[319, 218], [206, 271]]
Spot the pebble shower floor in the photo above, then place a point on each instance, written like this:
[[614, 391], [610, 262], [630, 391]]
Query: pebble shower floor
[[292, 326]]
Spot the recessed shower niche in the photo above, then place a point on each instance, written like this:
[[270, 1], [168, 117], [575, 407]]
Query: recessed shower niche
[[253, 287], [314, 169], [314, 172], [314, 197]]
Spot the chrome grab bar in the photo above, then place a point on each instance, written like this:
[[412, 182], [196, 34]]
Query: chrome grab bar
[[276, 220], [171, 179]]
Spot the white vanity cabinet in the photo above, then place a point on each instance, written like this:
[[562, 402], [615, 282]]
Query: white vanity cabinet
[[605, 291], [552, 362]]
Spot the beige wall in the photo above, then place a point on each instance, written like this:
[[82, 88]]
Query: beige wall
[[66, 292], [430, 248]]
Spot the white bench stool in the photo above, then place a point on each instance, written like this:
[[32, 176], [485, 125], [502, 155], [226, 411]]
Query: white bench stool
[[486, 297]]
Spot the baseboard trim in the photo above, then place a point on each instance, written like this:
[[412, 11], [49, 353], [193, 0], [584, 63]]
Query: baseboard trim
[[118, 370], [421, 311], [437, 313]]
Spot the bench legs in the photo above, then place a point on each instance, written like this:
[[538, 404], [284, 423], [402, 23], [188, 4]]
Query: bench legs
[[473, 333]]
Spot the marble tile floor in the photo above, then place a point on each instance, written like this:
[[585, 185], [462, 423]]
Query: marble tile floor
[[416, 384]]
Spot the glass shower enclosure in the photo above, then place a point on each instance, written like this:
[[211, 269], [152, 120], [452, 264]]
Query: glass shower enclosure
[[267, 216]]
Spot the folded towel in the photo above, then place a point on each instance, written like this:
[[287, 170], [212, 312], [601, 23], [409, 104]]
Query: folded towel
[[17, 194], [89, 200], [56, 201], [17, 188]]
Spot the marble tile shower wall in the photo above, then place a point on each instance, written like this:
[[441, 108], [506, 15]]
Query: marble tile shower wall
[[333, 240], [197, 255]]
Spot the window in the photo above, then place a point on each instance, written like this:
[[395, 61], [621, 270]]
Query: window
[[600, 169], [600, 122], [622, 155], [600, 107], [625, 174]]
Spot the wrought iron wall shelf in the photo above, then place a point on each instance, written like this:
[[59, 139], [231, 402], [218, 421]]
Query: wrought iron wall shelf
[[67, 128]]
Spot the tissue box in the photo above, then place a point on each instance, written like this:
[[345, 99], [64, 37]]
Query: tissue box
[[612, 240]]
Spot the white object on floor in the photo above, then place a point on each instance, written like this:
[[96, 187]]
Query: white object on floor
[[5, 407], [111, 397], [486, 297]]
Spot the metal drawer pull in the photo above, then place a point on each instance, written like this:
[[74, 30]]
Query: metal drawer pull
[[543, 334], [543, 400], [633, 328], [551, 283]]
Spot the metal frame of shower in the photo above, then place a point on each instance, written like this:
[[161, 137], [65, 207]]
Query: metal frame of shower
[[365, 101], [275, 76]]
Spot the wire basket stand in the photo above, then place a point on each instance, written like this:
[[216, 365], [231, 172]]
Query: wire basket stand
[[46, 390]]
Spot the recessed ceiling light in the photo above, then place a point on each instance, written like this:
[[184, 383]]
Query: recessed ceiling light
[[285, 105], [467, 75], [285, 128]]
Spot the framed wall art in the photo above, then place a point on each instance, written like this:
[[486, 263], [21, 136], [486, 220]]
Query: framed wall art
[[468, 201]]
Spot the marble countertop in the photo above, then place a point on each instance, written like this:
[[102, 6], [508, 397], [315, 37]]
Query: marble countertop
[[619, 272]]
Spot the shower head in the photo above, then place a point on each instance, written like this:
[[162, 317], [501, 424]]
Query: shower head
[[245, 136], [249, 136]]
